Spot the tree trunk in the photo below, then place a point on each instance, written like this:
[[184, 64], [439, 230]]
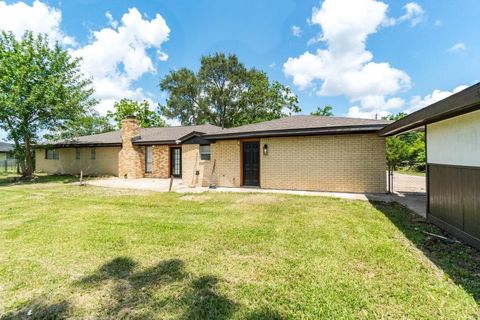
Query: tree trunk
[[27, 170]]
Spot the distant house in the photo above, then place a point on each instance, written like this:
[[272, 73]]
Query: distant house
[[5, 151], [452, 128], [298, 153]]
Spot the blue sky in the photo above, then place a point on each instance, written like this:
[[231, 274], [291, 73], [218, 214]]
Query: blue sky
[[363, 57]]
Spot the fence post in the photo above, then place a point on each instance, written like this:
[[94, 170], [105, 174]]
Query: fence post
[[171, 183], [391, 179], [388, 179]]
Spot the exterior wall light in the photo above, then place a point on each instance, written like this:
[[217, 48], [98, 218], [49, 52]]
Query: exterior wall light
[[265, 149]]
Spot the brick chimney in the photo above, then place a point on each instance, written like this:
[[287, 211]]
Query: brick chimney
[[131, 159]]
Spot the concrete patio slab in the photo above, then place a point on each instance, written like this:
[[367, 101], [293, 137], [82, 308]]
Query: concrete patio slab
[[149, 184], [414, 201]]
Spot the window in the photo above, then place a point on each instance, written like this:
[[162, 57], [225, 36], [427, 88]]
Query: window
[[205, 152], [51, 154], [93, 153], [148, 159], [77, 153]]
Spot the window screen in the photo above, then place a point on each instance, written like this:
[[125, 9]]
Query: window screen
[[205, 152], [51, 154]]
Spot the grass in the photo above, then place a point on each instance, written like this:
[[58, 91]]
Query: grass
[[86, 252], [410, 172]]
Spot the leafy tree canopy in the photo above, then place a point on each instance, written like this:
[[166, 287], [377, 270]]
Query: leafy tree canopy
[[407, 149], [326, 111], [83, 126], [41, 88], [225, 93], [395, 117], [127, 108]]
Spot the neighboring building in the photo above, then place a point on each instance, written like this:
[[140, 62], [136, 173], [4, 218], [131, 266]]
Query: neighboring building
[[452, 128], [5, 151], [298, 152]]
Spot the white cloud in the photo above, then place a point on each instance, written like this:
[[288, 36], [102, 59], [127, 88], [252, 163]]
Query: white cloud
[[418, 102], [118, 55], [39, 18], [372, 107], [111, 21], [458, 47], [438, 23], [314, 40], [345, 67], [414, 13], [296, 31]]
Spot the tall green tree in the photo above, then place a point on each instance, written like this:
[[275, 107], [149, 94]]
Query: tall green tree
[[83, 126], [127, 108], [41, 88], [225, 93], [406, 149], [326, 111], [397, 152], [395, 116]]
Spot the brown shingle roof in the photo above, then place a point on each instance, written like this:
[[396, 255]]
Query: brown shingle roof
[[147, 135], [303, 124], [171, 134], [294, 125], [5, 147]]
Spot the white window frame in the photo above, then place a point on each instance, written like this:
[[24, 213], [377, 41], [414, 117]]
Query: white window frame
[[52, 154], [205, 155]]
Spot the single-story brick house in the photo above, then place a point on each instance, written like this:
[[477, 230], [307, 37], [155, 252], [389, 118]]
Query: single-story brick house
[[5, 151], [452, 129], [297, 152]]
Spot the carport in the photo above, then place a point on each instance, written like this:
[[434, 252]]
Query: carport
[[452, 130]]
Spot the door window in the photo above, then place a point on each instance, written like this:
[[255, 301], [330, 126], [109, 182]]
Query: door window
[[148, 159]]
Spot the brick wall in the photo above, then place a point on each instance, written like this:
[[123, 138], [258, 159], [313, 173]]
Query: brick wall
[[225, 155], [191, 163], [131, 159], [341, 163], [161, 161], [104, 164], [348, 163]]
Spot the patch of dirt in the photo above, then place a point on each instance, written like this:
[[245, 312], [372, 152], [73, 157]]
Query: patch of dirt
[[259, 199], [196, 197]]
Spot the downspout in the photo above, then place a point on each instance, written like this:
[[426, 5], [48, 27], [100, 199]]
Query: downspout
[[427, 175], [212, 184]]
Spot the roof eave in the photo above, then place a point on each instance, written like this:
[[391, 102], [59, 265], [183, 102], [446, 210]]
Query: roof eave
[[465, 101], [76, 145], [297, 132], [154, 142]]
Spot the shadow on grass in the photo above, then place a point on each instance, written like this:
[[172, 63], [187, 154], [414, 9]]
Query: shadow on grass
[[39, 310], [460, 261], [9, 180], [135, 293]]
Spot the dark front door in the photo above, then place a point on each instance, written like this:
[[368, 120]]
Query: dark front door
[[251, 163], [176, 162]]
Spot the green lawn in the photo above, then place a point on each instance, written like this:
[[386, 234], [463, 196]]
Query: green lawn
[[410, 172], [83, 252]]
